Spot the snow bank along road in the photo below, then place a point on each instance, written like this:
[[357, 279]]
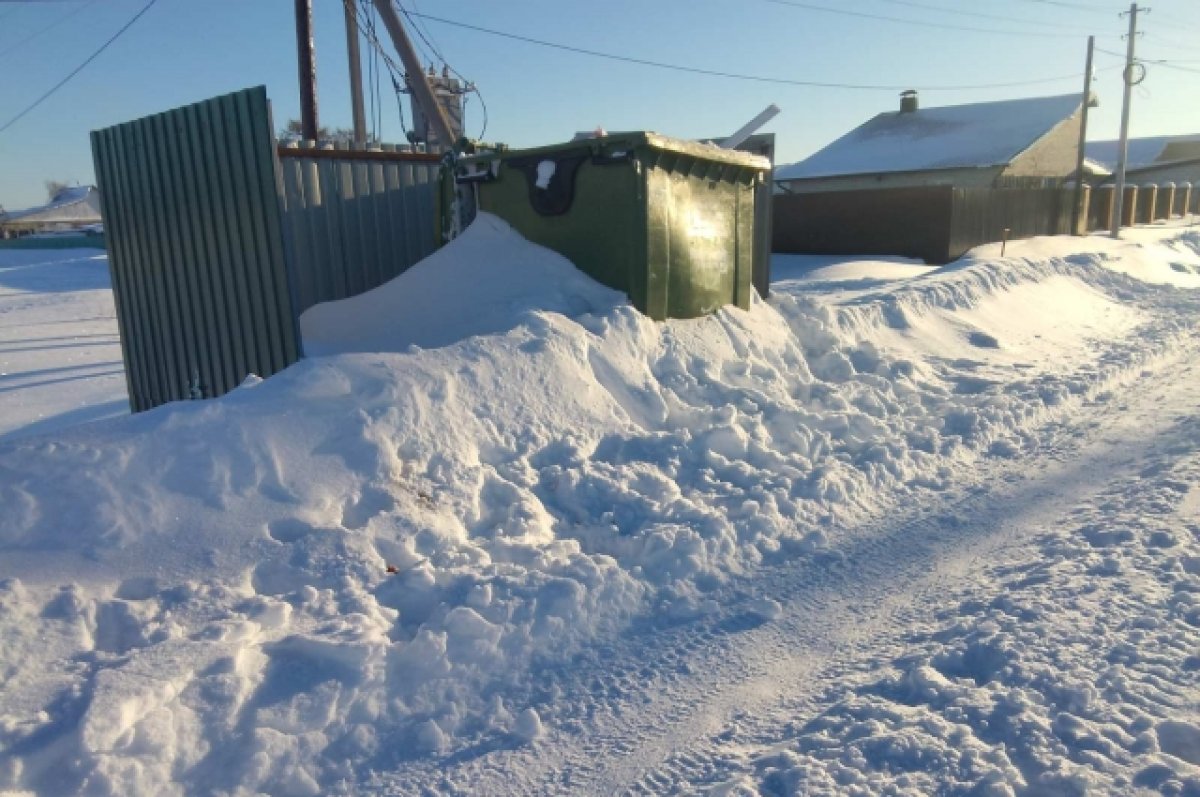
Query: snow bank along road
[[924, 535]]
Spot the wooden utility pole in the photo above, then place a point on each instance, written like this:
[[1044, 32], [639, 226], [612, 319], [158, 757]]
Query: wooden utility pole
[[1083, 120], [355, 58], [417, 82], [1123, 146], [308, 70]]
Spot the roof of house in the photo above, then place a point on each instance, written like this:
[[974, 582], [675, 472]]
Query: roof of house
[[1144, 151], [979, 135], [75, 204]]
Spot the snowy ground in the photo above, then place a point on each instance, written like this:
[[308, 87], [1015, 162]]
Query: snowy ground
[[898, 530], [60, 354]]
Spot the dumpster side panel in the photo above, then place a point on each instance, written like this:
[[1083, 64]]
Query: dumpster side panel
[[596, 235], [670, 223], [700, 273]]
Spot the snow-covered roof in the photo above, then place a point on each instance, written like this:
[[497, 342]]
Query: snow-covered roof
[[958, 136], [1095, 168], [1144, 151], [79, 204]]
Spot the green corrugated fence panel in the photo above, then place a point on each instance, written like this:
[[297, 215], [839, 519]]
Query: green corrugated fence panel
[[353, 223], [190, 200]]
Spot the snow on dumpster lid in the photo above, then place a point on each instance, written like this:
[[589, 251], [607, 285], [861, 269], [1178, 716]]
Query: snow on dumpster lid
[[957, 136], [612, 142]]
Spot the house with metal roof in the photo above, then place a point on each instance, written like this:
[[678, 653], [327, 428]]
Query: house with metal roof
[[977, 145], [1154, 159], [71, 209]]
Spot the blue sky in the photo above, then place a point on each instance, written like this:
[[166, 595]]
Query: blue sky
[[181, 51]]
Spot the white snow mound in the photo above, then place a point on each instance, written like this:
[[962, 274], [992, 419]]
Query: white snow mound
[[381, 557]]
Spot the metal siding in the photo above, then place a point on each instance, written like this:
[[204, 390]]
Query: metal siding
[[195, 247], [354, 222]]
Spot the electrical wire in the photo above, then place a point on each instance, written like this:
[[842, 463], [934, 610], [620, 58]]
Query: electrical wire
[[423, 31], [471, 87], [1173, 65], [1170, 63], [980, 14], [1169, 43], [918, 23], [738, 76], [372, 64], [1076, 6], [51, 26], [79, 68]]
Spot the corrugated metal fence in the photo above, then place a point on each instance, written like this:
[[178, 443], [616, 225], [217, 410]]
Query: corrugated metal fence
[[195, 247], [355, 219], [216, 244]]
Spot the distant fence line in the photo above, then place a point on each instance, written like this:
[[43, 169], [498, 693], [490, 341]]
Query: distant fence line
[[939, 224], [218, 239]]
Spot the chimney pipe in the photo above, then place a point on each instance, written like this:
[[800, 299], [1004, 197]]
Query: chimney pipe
[[908, 101]]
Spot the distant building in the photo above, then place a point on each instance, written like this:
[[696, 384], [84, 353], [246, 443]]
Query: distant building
[[1157, 159], [73, 208], [983, 144]]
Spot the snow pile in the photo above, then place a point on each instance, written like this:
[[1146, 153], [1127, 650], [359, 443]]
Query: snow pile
[[490, 281], [366, 560]]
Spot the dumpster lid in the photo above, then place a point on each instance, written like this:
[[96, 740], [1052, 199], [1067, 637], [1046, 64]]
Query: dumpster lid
[[640, 139]]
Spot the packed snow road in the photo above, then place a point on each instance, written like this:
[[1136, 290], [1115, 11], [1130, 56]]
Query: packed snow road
[[744, 701]]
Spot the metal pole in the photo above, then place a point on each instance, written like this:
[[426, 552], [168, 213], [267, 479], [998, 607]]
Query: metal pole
[[1123, 146], [1083, 120], [747, 130], [355, 59], [423, 94], [308, 70]]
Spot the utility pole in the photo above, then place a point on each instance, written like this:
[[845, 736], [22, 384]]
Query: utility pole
[[417, 81], [355, 57], [1123, 146], [1083, 120], [308, 70]]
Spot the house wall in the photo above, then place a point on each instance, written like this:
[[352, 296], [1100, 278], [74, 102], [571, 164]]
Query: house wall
[[1182, 172], [966, 178], [1053, 155]]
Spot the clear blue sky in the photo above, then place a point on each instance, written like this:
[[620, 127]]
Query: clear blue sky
[[186, 50]]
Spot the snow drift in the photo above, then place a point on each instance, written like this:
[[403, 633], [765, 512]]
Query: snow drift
[[367, 559]]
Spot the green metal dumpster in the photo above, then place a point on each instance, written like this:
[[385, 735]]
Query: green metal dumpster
[[669, 222]]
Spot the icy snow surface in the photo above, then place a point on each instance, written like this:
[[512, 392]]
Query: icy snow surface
[[891, 532], [60, 356]]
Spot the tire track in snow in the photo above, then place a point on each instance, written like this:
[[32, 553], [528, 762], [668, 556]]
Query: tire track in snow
[[665, 709]]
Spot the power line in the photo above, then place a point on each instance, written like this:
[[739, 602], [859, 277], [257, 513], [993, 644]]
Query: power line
[[979, 14], [1170, 63], [51, 26], [918, 23], [79, 68], [423, 31], [1162, 42], [1174, 65], [1076, 6], [734, 75]]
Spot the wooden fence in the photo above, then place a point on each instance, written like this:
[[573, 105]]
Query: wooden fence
[[939, 223]]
